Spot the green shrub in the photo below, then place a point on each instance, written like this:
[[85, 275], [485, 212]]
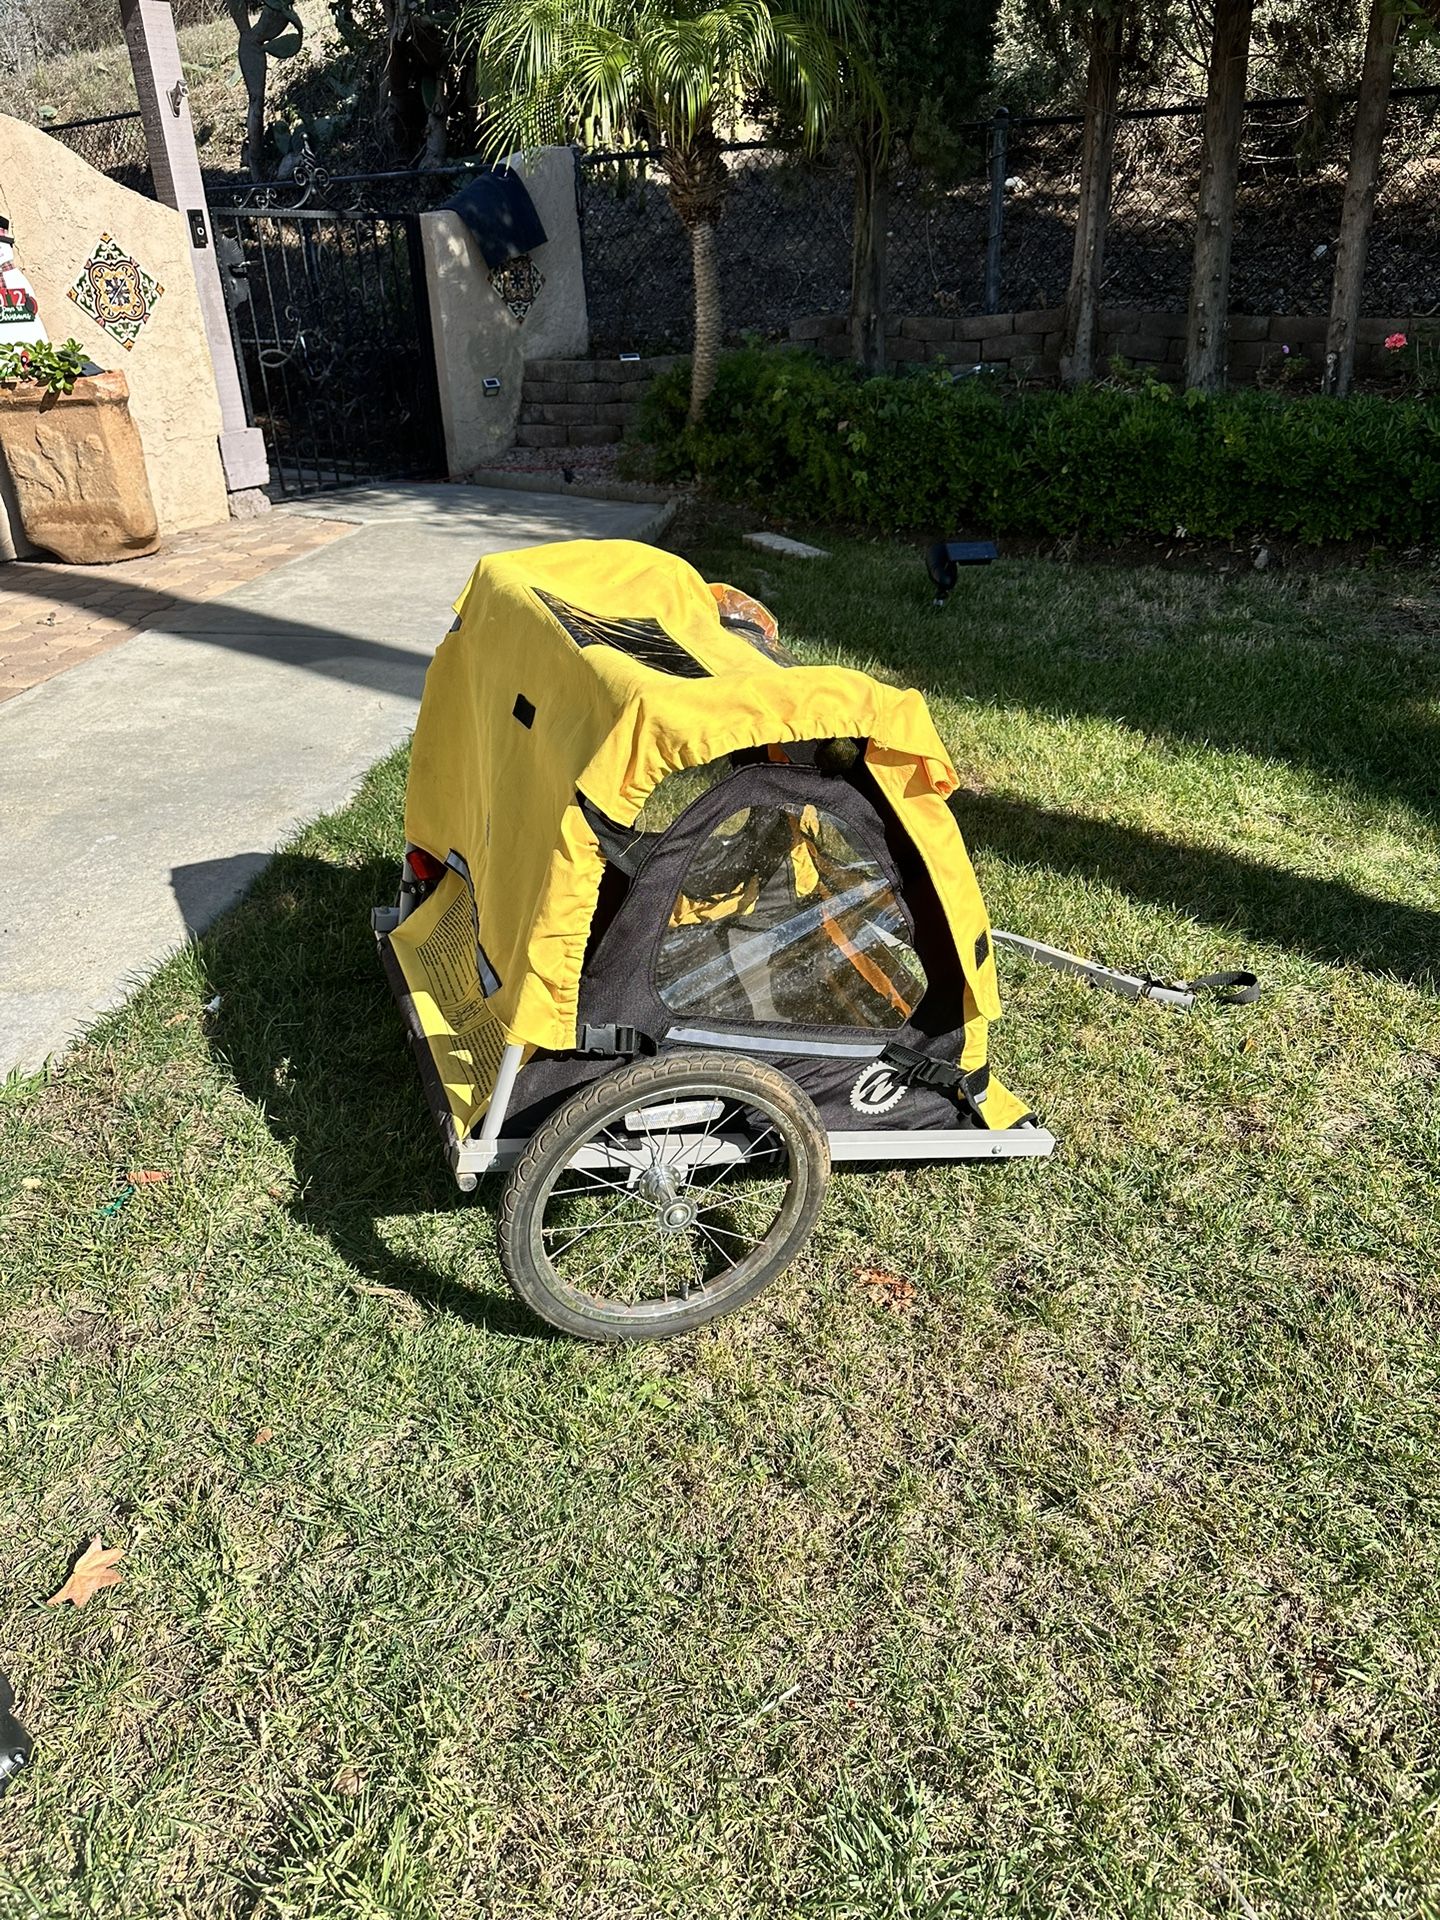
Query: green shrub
[[918, 452], [42, 364]]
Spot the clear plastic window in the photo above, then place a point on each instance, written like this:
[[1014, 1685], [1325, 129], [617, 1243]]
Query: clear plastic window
[[781, 917]]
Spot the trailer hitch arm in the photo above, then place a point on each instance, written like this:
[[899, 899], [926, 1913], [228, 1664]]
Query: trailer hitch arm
[[1231, 989]]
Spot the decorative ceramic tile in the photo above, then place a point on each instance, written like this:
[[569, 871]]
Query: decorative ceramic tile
[[116, 292], [518, 284]]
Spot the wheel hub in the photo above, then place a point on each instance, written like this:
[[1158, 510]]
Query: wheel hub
[[659, 1187]]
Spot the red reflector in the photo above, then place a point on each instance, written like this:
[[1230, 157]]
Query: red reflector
[[425, 867]]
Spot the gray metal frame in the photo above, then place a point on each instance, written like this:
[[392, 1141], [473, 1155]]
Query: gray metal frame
[[491, 1150], [1130, 986], [476, 1156]]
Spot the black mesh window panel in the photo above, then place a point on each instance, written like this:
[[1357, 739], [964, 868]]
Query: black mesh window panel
[[643, 640], [781, 917]]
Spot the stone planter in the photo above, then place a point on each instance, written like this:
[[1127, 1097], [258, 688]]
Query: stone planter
[[78, 470]]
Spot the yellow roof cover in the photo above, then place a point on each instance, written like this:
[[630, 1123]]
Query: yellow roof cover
[[530, 699]]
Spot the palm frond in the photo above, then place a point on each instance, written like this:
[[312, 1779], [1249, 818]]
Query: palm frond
[[612, 68]]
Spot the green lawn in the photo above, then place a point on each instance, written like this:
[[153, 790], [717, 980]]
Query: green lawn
[[1103, 1581]]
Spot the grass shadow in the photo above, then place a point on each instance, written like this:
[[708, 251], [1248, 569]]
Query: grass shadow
[[1335, 674], [308, 1029], [1323, 918], [309, 1032]]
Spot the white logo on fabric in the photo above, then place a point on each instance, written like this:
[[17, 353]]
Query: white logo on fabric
[[877, 1089]]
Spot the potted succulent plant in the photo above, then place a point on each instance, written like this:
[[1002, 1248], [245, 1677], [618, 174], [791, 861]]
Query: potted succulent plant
[[74, 455]]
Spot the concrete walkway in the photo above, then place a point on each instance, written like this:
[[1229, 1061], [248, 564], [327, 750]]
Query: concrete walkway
[[52, 617], [142, 790]]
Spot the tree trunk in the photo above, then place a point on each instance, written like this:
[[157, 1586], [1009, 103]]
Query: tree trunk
[[868, 300], [707, 317], [1080, 341], [386, 108], [403, 116], [253, 59], [393, 80], [435, 92], [1207, 331], [698, 182], [1371, 112]]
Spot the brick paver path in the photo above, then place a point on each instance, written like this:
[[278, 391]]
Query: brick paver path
[[53, 616]]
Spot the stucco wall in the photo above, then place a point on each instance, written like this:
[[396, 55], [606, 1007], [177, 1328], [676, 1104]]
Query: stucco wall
[[59, 208], [477, 337]]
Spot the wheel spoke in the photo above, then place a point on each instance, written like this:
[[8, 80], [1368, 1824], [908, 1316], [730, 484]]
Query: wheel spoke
[[732, 1233], [580, 1204], [596, 1186], [726, 1166], [615, 1266], [614, 1253], [579, 1234], [602, 1230], [715, 1243]]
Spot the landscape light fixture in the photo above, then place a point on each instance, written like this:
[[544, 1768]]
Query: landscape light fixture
[[944, 560], [490, 386]]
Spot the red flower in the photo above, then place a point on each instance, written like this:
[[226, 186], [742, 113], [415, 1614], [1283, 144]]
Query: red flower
[[1394, 342]]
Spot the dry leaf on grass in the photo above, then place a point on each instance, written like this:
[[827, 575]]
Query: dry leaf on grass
[[888, 1288], [395, 1295], [94, 1569], [264, 1436]]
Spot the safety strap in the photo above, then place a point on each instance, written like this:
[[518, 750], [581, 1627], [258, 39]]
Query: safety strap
[[923, 1070], [621, 846], [489, 979], [1232, 989]]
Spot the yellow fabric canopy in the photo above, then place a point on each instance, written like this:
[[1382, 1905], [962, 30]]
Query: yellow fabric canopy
[[518, 718]]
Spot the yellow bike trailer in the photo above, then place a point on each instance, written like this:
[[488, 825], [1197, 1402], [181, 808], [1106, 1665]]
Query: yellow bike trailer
[[680, 924]]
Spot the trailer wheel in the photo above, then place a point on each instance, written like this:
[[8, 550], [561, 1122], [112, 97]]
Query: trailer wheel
[[665, 1194]]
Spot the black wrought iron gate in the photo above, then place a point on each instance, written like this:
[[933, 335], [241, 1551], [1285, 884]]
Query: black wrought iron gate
[[331, 321]]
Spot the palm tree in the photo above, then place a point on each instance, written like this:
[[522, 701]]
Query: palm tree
[[621, 72]]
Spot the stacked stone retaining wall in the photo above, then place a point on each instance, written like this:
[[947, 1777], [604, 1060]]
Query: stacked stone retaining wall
[[1029, 342], [582, 403], [592, 403]]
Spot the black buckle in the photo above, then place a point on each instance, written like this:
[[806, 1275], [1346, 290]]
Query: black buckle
[[620, 1042], [920, 1069], [934, 1073]]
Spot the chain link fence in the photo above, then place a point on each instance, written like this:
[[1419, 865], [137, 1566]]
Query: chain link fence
[[112, 143], [785, 238], [784, 245], [1402, 268]]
